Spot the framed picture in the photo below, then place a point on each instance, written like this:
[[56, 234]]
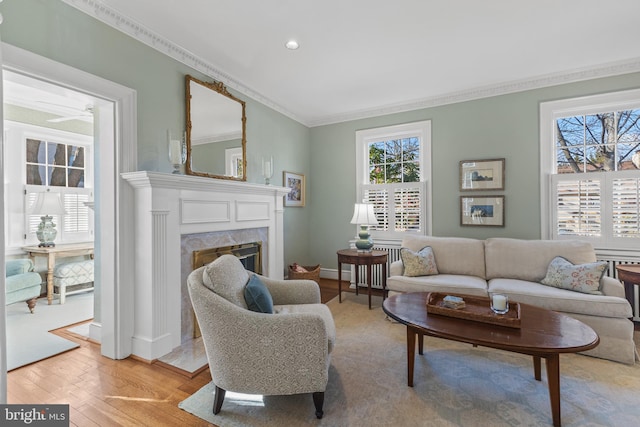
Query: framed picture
[[294, 181], [482, 210], [482, 175]]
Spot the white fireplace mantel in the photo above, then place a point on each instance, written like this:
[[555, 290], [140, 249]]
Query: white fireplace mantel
[[167, 206]]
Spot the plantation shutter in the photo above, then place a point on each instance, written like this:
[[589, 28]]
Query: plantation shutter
[[75, 221], [626, 207], [578, 206], [398, 206]]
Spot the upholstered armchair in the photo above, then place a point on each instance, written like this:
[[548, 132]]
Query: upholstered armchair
[[280, 353], [22, 283]]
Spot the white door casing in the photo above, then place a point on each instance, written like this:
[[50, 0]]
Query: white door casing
[[116, 152]]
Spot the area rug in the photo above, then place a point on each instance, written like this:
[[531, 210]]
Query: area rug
[[455, 384], [28, 336]]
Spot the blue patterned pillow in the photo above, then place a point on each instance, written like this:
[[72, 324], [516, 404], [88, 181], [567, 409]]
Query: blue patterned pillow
[[583, 278], [257, 296], [421, 263]]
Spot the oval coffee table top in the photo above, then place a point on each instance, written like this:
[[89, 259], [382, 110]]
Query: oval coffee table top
[[542, 331]]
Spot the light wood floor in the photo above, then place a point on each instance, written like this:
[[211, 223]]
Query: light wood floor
[[105, 392]]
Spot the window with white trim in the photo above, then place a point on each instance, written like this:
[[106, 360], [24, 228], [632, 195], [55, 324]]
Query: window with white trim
[[393, 171], [590, 169], [60, 168], [39, 159]]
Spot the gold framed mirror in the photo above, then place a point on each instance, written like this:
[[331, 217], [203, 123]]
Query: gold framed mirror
[[216, 131]]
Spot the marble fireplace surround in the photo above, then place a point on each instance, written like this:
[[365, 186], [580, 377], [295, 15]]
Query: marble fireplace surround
[[174, 214]]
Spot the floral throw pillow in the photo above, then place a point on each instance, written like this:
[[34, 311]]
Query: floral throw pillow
[[584, 278], [421, 263]]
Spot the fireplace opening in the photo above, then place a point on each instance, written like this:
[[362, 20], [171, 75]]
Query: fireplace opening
[[249, 254]]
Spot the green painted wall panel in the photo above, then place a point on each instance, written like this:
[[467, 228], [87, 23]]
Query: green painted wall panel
[[504, 126], [55, 30]]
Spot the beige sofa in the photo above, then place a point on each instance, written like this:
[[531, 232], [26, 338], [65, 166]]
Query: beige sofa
[[516, 267]]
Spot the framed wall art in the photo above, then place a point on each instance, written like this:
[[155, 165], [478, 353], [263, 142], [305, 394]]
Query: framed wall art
[[482, 175], [294, 181], [482, 210]]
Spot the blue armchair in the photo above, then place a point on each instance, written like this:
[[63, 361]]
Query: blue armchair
[[22, 283]]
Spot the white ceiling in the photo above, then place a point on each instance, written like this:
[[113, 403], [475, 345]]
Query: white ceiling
[[365, 57]]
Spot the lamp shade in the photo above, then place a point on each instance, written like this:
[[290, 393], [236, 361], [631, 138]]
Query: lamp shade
[[48, 203], [363, 214]]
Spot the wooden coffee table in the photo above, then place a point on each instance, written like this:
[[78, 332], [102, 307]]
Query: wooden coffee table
[[543, 334]]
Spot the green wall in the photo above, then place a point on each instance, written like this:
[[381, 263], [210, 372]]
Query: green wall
[[504, 126], [55, 30]]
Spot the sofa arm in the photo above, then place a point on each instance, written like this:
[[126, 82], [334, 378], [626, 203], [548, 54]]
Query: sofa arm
[[299, 291], [18, 266], [396, 268], [612, 287]]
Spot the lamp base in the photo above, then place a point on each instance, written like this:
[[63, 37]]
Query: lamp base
[[364, 243], [46, 232]]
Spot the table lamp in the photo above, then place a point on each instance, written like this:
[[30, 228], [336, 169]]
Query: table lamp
[[364, 216], [47, 204]]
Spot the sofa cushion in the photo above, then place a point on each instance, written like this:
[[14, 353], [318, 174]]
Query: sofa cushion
[[563, 300], [18, 282], [529, 259], [454, 255], [257, 296], [421, 263], [226, 276], [583, 278], [446, 283]]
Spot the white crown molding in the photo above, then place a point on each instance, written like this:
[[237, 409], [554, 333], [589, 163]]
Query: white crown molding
[[603, 70], [109, 16], [113, 18]]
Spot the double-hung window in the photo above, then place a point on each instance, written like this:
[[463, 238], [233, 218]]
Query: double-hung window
[[590, 160], [59, 167], [393, 170]]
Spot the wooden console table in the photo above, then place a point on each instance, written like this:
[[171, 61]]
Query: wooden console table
[[629, 275], [353, 256], [54, 252]]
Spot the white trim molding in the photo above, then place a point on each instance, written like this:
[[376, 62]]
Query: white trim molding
[[111, 17]]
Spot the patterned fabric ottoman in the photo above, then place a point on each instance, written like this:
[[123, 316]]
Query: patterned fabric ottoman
[[72, 274]]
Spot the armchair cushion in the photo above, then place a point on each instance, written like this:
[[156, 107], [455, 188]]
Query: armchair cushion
[[227, 277], [257, 296]]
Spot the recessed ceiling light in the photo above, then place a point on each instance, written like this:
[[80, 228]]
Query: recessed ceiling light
[[292, 45]]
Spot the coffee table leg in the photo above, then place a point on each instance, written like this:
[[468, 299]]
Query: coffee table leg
[[536, 368], [411, 354], [420, 344], [553, 377]]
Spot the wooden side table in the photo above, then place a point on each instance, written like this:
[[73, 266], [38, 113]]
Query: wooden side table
[[58, 251], [353, 256], [629, 275]]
